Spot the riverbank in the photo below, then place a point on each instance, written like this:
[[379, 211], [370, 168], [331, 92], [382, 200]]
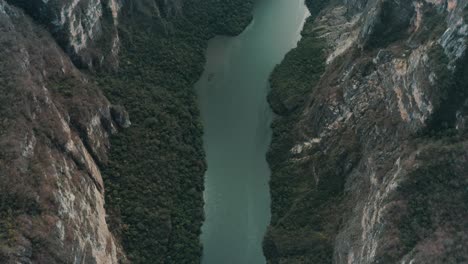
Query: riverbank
[[295, 236], [154, 178]]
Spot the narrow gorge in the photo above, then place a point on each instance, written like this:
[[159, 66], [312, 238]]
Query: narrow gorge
[[138, 131]]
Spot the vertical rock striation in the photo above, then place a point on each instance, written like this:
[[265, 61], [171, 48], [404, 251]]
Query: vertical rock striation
[[85, 29], [55, 129], [374, 167]]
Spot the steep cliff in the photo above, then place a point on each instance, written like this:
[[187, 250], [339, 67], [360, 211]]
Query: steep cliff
[[54, 132], [72, 189], [370, 149], [85, 29]]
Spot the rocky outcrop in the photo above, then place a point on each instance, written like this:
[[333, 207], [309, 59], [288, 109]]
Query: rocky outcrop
[[54, 132], [120, 116], [85, 29], [374, 169]]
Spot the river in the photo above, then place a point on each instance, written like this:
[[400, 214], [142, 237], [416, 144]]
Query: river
[[236, 117]]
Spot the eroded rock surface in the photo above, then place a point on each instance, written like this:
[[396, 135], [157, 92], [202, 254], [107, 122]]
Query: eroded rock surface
[[85, 29], [374, 169], [55, 128]]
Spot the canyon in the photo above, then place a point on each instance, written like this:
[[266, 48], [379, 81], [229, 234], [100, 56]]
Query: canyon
[[102, 122]]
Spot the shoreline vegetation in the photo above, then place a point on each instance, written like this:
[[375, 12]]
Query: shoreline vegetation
[[155, 176]]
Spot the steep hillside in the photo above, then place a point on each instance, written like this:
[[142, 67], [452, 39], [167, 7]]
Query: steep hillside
[[54, 132], [58, 130], [370, 149]]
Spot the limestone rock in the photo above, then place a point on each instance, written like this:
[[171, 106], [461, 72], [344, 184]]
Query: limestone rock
[[374, 166], [53, 134]]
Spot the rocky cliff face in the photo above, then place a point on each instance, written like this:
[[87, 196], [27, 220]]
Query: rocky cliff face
[[85, 29], [54, 134], [88, 29], [375, 167]]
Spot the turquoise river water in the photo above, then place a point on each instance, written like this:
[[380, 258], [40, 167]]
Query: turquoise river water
[[236, 117]]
